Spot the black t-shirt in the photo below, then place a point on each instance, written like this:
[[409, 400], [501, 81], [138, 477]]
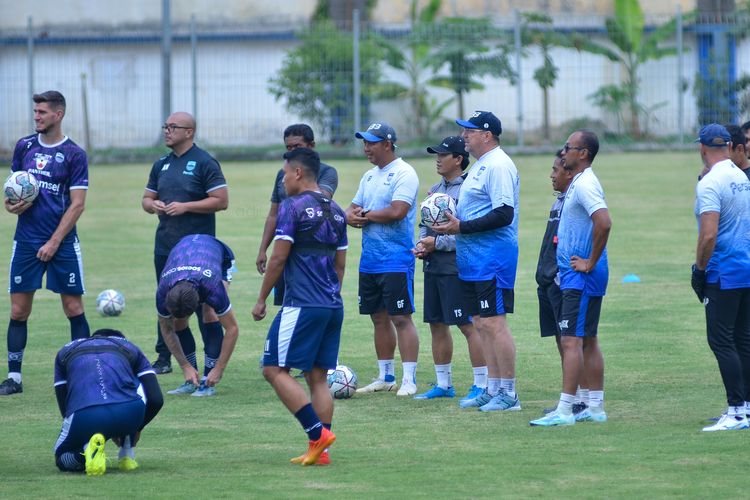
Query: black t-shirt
[[546, 268], [328, 180], [189, 177]]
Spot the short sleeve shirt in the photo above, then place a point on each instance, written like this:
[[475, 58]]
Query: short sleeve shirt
[[200, 259], [59, 168], [492, 181], [185, 178], [387, 247], [328, 180], [575, 235], [726, 190], [105, 370], [316, 233]]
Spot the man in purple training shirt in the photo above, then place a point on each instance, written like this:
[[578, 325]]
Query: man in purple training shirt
[[46, 240]]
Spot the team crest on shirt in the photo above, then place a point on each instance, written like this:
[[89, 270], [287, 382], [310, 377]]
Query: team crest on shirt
[[59, 157], [479, 172], [189, 167], [41, 160], [389, 179]]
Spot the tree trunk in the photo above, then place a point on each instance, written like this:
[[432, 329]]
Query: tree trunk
[[545, 96], [460, 98]]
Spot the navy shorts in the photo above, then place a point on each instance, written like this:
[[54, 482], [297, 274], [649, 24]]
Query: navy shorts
[[443, 300], [112, 420], [550, 309], [64, 270], [579, 316], [486, 298], [304, 337], [393, 292]]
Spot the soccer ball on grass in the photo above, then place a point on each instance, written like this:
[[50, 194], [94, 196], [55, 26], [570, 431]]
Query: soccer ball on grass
[[342, 382], [21, 186], [110, 303], [435, 207]]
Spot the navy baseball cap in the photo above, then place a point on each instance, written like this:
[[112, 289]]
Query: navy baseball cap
[[483, 120], [377, 132], [451, 144], [714, 135]]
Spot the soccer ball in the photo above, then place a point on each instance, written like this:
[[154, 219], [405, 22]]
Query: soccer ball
[[434, 208], [110, 303], [342, 382], [21, 185]]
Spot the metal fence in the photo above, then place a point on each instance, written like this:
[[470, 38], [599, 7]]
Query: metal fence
[[245, 85]]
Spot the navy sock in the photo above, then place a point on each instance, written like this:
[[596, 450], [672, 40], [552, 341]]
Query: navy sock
[[327, 426], [79, 327], [213, 335], [187, 341], [70, 461], [309, 421], [17, 336]]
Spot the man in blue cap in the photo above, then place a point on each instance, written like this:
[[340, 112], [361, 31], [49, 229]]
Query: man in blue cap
[[385, 209], [721, 273], [486, 229]]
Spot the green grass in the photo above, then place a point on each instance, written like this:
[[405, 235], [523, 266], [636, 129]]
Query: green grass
[[661, 379]]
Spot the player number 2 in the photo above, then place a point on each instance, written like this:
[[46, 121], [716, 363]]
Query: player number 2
[[72, 278]]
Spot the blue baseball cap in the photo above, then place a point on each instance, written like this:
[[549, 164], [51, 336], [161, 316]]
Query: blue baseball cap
[[483, 120], [377, 132], [714, 136]]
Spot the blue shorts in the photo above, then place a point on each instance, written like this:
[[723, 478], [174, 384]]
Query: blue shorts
[[112, 420], [304, 337], [64, 271]]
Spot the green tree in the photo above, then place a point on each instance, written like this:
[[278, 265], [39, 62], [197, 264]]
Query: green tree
[[470, 48], [633, 48], [315, 79]]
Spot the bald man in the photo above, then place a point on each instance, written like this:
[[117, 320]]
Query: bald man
[[185, 190]]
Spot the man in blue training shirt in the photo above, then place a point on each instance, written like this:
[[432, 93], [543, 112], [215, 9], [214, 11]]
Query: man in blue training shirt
[[197, 274], [721, 273], [105, 389], [310, 249], [46, 240], [385, 209], [486, 229], [582, 266]]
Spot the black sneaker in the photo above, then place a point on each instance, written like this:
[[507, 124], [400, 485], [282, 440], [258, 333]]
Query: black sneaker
[[579, 407], [161, 366], [10, 386]]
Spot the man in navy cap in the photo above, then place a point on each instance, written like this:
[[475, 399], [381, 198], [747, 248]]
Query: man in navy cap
[[721, 273], [486, 229], [443, 301], [385, 209]]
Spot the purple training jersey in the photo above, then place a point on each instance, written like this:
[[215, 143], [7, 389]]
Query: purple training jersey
[[316, 226], [100, 371], [203, 260], [59, 168]]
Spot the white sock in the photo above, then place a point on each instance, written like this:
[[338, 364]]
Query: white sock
[[126, 450], [596, 399], [386, 368], [15, 376], [410, 371], [565, 405], [493, 386], [583, 396], [509, 385], [443, 374], [747, 407], [736, 411], [480, 376]]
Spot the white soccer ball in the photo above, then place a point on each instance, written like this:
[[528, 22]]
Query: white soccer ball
[[342, 382], [20, 186], [435, 207], [110, 303]]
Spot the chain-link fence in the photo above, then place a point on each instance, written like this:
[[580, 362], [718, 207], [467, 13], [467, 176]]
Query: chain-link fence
[[541, 77]]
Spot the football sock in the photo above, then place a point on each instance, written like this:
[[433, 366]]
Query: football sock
[[309, 421], [387, 370], [480, 376], [79, 327], [327, 426], [509, 385], [17, 337], [187, 341], [410, 371], [747, 407], [583, 395], [736, 411], [493, 386], [213, 335], [126, 450], [596, 399], [565, 406], [443, 375]]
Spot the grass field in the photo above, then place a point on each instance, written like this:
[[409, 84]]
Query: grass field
[[661, 379]]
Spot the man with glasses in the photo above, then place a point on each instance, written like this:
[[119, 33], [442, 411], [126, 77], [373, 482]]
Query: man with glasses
[[486, 229], [185, 189], [583, 272]]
